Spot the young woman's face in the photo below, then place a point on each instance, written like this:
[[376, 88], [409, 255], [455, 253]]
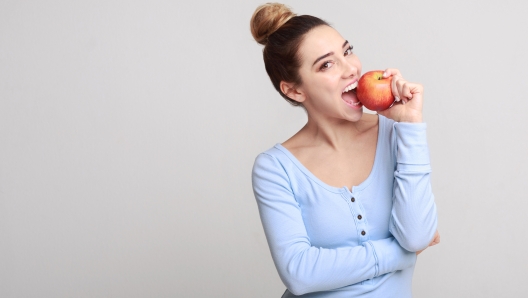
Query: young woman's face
[[328, 68]]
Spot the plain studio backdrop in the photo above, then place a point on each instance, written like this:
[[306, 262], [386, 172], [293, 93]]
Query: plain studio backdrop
[[128, 130]]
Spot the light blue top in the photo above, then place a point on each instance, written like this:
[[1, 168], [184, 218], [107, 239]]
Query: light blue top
[[320, 244]]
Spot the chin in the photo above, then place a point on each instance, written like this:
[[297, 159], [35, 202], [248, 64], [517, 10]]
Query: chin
[[354, 115]]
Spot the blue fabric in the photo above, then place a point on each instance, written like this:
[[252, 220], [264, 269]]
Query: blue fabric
[[314, 232]]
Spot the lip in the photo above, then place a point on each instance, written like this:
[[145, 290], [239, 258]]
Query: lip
[[354, 81]]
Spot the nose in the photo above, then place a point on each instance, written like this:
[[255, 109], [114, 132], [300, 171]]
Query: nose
[[349, 69]]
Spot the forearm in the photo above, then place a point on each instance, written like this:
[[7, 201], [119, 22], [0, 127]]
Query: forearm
[[304, 268], [413, 217]]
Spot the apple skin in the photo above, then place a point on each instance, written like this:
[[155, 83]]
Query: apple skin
[[374, 91]]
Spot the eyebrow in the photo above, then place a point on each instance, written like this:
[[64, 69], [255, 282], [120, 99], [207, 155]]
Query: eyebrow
[[328, 54]]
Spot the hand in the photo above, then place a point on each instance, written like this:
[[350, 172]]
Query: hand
[[436, 240], [409, 99]]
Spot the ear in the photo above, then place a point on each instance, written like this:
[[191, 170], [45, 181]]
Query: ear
[[292, 92]]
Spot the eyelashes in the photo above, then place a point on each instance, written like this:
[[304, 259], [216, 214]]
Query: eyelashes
[[349, 50], [327, 64]]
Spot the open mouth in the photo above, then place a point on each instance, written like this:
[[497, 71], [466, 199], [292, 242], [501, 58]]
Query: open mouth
[[349, 95]]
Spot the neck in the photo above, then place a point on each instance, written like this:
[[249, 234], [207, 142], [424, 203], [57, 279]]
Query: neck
[[337, 133]]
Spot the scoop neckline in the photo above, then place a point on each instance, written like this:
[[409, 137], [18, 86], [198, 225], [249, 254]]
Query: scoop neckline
[[355, 188]]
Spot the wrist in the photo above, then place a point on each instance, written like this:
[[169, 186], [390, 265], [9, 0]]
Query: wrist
[[412, 120], [416, 118]]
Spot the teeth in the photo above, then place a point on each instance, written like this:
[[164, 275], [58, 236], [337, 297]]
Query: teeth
[[350, 87], [353, 103]]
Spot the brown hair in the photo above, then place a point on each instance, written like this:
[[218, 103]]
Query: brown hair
[[281, 32]]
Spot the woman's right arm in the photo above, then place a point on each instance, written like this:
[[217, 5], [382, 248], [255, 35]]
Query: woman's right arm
[[302, 267]]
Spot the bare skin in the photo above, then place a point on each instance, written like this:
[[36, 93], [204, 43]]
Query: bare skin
[[338, 143], [344, 162]]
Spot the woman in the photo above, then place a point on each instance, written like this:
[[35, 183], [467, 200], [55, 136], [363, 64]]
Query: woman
[[346, 203]]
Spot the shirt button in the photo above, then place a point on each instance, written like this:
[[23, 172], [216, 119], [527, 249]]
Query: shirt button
[[353, 199], [360, 217], [363, 233]]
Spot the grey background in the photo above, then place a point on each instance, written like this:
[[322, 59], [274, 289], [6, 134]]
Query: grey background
[[128, 130]]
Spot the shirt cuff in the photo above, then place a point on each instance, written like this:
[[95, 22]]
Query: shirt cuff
[[390, 256]]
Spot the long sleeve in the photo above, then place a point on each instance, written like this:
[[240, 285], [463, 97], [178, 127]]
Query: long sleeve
[[413, 218], [302, 267]]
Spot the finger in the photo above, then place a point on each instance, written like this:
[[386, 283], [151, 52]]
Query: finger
[[436, 239], [394, 88], [413, 89], [400, 84], [402, 87], [406, 91], [401, 90], [391, 72]]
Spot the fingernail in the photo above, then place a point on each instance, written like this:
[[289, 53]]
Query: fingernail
[[397, 98], [385, 74]]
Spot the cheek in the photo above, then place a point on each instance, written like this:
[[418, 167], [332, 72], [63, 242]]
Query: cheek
[[321, 85], [325, 86]]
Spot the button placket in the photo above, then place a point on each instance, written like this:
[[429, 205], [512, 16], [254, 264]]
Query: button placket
[[361, 224]]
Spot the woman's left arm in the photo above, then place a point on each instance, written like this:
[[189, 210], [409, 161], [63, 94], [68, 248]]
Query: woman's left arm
[[413, 219]]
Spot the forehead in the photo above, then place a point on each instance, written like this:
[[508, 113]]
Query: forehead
[[319, 41]]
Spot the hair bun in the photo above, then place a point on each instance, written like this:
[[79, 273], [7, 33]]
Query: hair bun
[[267, 19]]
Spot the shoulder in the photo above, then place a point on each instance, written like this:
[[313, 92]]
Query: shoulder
[[385, 122], [386, 136], [273, 158], [274, 152], [271, 169], [373, 122], [386, 127]]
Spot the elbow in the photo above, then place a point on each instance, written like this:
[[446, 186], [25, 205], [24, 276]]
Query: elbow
[[297, 291], [296, 285], [298, 277], [415, 239], [418, 241], [416, 233], [415, 244]]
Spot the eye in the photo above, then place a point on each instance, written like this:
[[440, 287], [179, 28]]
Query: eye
[[349, 50], [326, 65]]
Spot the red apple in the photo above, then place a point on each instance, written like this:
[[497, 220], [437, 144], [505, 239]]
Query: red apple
[[374, 91]]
